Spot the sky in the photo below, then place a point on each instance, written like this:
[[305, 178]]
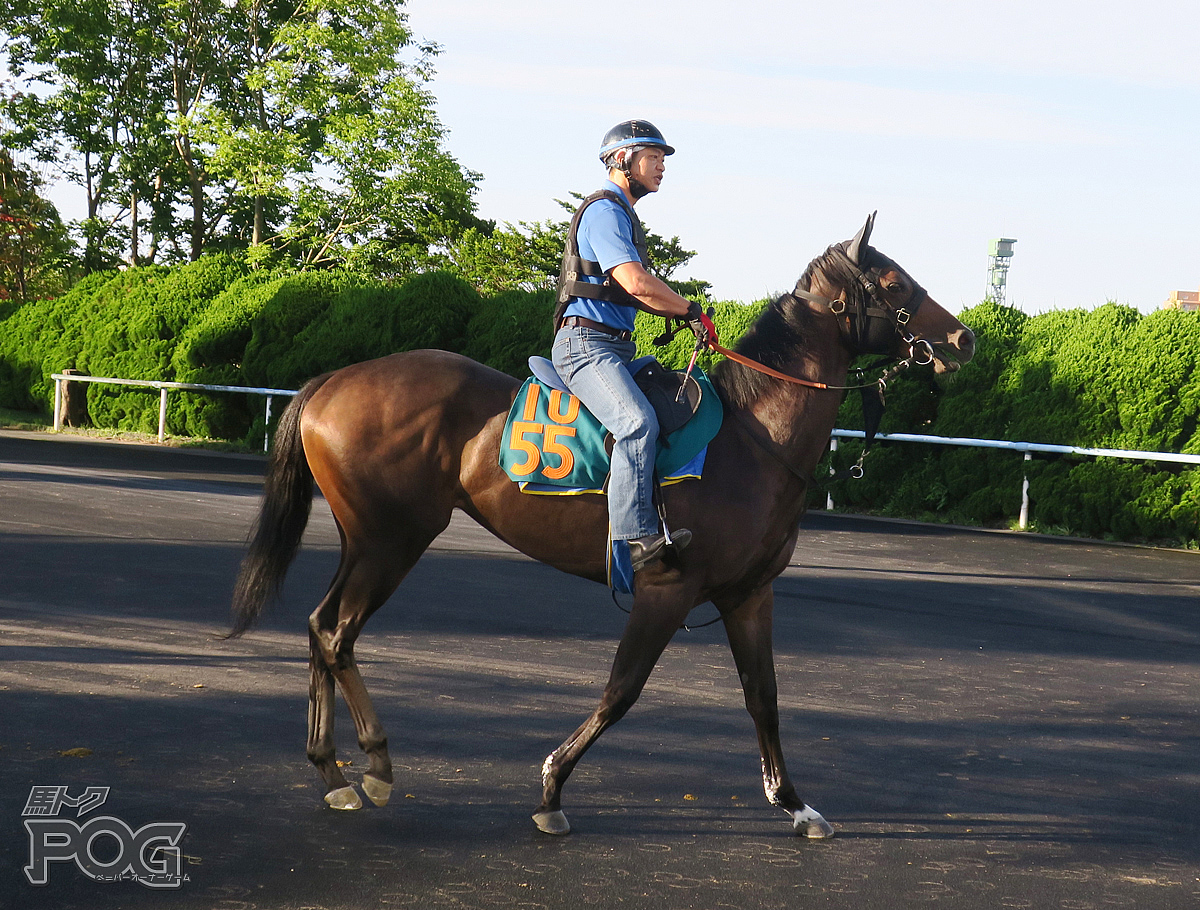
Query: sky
[[1071, 126]]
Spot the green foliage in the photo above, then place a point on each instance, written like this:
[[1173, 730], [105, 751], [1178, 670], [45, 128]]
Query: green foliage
[[527, 256], [1107, 378], [303, 129], [731, 320], [279, 332], [35, 260], [509, 328], [120, 324]]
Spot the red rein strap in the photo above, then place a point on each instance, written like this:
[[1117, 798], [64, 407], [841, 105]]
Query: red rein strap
[[755, 365]]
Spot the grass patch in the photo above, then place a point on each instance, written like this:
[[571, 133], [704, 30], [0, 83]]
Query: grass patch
[[23, 420]]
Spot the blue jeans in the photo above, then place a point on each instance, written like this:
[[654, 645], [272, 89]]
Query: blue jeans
[[593, 365]]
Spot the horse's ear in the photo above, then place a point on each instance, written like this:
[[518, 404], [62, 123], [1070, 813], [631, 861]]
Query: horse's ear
[[854, 250]]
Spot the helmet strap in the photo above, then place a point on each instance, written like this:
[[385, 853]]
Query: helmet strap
[[637, 189]]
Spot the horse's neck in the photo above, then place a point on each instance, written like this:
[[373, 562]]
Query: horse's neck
[[799, 419]]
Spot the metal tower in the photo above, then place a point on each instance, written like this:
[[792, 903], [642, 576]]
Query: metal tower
[[999, 253]]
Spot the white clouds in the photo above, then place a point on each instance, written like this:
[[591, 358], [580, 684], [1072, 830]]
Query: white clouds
[[795, 103], [1152, 42], [1069, 124]]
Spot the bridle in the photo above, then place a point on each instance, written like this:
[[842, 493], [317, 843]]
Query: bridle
[[871, 326], [872, 322]]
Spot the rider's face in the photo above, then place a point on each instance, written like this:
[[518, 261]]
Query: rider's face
[[647, 168]]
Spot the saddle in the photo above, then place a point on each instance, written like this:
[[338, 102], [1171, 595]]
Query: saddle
[[662, 388], [552, 444]]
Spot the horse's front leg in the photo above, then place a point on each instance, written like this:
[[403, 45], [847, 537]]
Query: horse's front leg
[[653, 620], [748, 624]]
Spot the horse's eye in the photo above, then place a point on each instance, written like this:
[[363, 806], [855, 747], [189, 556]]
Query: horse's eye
[[893, 286]]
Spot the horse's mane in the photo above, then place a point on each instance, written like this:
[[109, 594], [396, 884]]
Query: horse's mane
[[784, 327]]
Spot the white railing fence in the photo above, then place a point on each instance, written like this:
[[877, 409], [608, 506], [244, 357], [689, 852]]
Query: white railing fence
[[1027, 448], [163, 388]]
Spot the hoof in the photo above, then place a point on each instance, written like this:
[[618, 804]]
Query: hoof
[[343, 798], [552, 822], [807, 822], [377, 791]]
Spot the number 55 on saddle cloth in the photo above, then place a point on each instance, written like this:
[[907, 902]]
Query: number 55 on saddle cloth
[[553, 445]]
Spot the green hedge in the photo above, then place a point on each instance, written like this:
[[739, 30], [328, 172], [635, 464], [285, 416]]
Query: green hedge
[[212, 322], [1105, 378]]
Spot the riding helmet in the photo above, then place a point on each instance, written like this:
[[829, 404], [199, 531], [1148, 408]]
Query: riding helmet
[[632, 135]]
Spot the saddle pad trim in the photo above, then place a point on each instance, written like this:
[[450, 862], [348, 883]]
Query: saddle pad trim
[[693, 470]]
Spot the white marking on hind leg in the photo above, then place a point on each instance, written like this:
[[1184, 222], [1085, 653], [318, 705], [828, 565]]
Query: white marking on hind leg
[[809, 823]]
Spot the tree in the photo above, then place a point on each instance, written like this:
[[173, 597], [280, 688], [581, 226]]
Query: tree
[[299, 128], [336, 132], [92, 108], [34, 248], [527, 256]]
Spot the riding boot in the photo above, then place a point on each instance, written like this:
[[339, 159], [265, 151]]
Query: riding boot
[[652, 547]]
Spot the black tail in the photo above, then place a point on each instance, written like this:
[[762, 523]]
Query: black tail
[[275, 538]]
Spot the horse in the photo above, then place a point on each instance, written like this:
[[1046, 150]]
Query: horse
[[398, 443]]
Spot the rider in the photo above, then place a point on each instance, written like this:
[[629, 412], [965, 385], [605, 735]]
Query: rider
[[604, 278]]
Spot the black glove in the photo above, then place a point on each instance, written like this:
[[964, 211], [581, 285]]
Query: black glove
[[700, 325]]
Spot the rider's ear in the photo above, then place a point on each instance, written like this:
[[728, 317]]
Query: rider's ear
[[854, 250]]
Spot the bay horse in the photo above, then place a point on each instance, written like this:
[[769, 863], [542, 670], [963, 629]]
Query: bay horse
[[396, 444]]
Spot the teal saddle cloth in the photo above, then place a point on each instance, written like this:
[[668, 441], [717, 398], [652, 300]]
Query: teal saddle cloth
[[552, 443]]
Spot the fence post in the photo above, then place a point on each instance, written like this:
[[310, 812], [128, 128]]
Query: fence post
[[58, 401], [162, 415], [1023, 523], [833, 441], [267, 428]]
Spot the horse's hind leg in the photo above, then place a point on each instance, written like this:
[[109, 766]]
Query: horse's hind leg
[[748, 624], [365, 579]]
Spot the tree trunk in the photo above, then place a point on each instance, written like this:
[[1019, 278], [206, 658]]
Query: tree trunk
[[197, 217], [134, 259], [260, 219]]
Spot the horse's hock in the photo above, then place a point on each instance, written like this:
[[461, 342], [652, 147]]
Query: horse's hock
[[74, 401]]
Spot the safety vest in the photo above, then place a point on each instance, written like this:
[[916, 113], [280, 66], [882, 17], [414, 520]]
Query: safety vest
[[574, 267]]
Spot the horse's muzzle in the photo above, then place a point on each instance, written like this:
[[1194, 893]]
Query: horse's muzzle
[[956, 350]]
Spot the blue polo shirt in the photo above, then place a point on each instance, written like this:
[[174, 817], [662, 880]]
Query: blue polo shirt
[[605, 236]]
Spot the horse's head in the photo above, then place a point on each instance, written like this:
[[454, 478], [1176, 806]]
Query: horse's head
[[882, 310]]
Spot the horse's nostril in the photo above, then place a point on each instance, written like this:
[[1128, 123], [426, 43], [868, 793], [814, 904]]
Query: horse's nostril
[[965, 343]]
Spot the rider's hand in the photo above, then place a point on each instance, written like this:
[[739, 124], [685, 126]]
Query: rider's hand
[[701, 325]]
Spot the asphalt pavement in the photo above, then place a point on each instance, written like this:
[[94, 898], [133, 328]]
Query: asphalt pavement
[[988, 719]]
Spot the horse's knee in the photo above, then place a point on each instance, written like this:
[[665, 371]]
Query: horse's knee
[[333, 647], [764, 711], [762, 699]]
